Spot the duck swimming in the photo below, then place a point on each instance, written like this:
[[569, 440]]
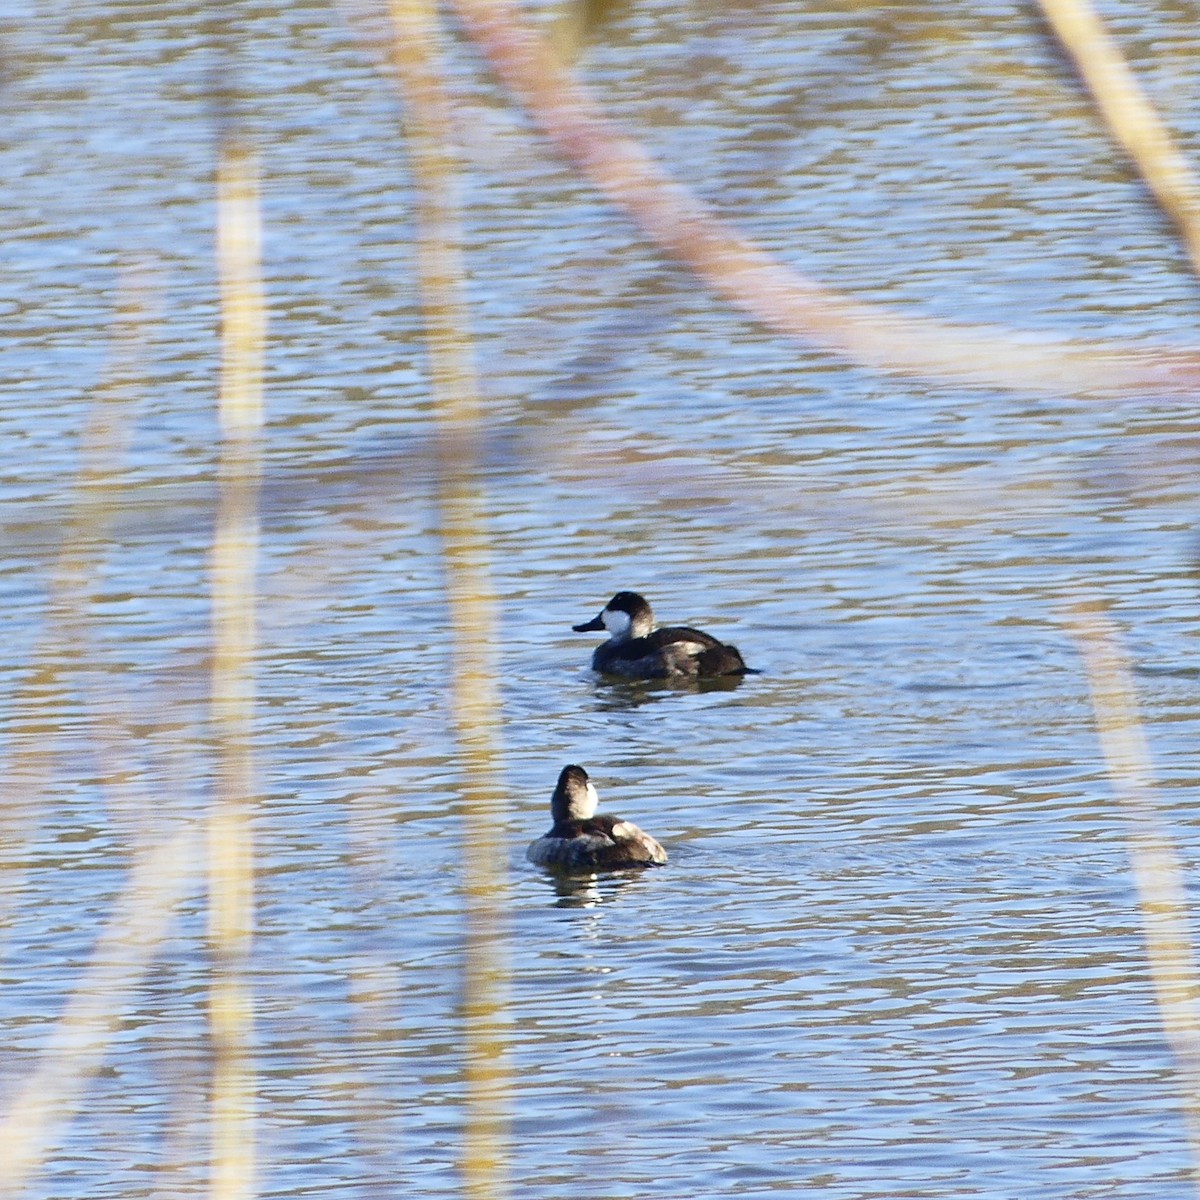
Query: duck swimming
[[581, 841], [637, 649]]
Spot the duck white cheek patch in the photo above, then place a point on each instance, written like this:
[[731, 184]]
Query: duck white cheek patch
[[616, 622], [592, 802]]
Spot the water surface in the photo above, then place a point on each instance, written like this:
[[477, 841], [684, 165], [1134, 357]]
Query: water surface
[[897, 950]]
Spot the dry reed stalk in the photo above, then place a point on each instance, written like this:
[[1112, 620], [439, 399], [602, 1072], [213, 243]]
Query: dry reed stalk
[[100, 490], [234, 562], [1131, 119], [784, 301], [99, 484], [418, 62], [160, 872], [45, 1100], [95, 490], [1158, 874]]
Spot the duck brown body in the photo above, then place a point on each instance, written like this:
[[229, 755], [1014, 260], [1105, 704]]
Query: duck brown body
[[582, 840]]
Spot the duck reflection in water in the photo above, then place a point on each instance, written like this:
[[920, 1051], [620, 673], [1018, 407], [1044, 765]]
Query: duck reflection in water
[[591, 891], [594, 891], [614, 694]]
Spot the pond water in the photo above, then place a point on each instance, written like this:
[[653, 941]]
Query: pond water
[[897, 950]]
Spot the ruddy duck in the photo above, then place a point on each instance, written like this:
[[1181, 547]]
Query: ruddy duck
[[637, 650], [581, 841]]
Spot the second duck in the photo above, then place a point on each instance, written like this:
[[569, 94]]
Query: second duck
[[582, 840], [638, 649]]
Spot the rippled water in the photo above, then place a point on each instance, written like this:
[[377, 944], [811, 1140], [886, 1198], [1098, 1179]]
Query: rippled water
[[897, 951]]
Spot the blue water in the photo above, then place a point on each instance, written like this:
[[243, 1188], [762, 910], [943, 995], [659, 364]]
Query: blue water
[[897, 950]]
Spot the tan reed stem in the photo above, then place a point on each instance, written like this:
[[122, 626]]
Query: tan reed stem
[[1157, 871], [46, 1098], [234, 562], [1132, 120], [161, 872], [417, 58], [43, 693]]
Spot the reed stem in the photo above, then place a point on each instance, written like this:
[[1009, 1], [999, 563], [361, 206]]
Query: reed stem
[[1157, 871], [234, 563], [419, 66], [1132, 120]]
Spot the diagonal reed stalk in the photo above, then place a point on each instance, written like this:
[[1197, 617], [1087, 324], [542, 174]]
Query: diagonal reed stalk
[[234, 562], [418, 62], [1131, 119], [48, 686], [764, 287], [1157, 872], [161, 872], [44, 1100]]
